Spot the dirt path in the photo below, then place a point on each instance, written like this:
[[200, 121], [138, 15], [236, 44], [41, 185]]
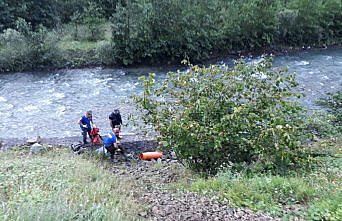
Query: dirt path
[[151, 187]]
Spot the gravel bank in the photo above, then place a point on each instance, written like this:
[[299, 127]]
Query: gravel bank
[[150, 181]]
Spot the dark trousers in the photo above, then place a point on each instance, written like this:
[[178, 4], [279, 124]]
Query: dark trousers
[[111, 149], [84, 134]]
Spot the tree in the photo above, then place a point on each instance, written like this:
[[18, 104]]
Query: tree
[[216, 115], [93, 18], [76, 21]]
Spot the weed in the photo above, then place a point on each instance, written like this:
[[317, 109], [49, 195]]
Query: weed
[[312, 194], [59, 186]]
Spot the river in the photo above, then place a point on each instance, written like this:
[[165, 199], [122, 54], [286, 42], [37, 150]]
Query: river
[[49, 104]]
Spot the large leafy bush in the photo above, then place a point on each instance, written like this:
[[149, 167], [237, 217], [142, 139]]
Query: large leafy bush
[[149, 30], [25, 49], [215, 115]]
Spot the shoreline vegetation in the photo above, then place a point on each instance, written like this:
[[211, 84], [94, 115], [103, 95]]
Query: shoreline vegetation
[[237, 143], [122, 193], [77, 34], [244, 149], [72, 188], [249, 142]]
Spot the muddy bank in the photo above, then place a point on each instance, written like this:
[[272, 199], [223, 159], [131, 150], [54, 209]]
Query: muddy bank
[[134, 143]]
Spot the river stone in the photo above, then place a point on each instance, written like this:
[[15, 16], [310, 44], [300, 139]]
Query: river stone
[[173, 155], [149, 187], [34, 140], [37, 148]]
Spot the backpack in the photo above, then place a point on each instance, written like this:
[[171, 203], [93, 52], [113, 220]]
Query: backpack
[[76, 147]]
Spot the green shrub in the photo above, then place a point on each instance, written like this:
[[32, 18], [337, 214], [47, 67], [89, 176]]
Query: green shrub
[[266, 193], [131, 36], [305, 28], [105, 53], [215, 115], [258, 26], [329, 208], [93, 19], [332, 21], [176, 30], [14, 51], [25, 49], [322, 124], [334, 104]]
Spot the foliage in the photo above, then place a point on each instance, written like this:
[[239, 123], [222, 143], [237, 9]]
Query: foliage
[[92, 17], [87, 24], [268, 193], [155, 30], [322, 124], [215, 115], [75, 19], [168, 31], [36, 12], [332, 21], [308, 195], [59, 186], [108, 6], [105, 53], [50, 13], [130, 37], [327, 123], [25, 49], [148, 30], [334, 104], [304, 28], [257, 28]]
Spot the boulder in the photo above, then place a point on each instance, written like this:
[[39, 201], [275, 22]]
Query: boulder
[[173, 155], [34, 140], [37, 148]]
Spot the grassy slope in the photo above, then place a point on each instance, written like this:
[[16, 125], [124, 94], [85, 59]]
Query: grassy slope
[[59, 186], [68, 43], [77, 45], [312, 195]]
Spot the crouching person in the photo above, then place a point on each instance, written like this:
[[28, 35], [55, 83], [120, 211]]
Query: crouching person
[[111, 143]]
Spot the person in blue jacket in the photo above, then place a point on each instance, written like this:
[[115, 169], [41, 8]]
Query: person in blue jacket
[[110, 143], [85, 123]]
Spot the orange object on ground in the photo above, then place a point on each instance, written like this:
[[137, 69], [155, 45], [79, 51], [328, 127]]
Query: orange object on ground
[[150, 155]]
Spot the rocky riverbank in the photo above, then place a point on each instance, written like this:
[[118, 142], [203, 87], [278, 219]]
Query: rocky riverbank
[[130, 142], [152, 185]]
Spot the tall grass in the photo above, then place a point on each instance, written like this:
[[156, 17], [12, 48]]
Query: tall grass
[[314, 194], [59, 186]]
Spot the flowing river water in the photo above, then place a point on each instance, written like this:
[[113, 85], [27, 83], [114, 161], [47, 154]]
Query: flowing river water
[[49, 104]]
